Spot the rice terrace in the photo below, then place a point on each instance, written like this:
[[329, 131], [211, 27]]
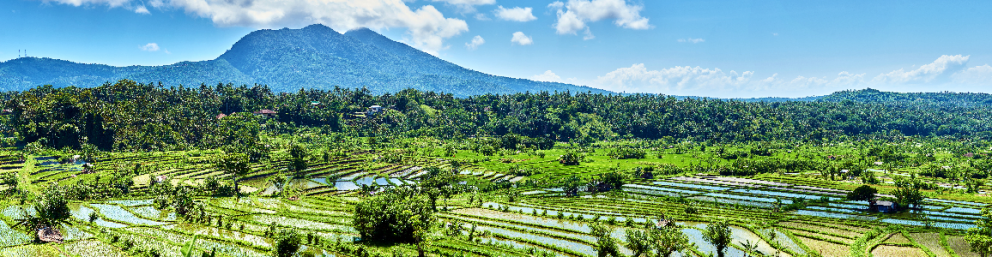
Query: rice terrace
[[405, 180], [388, 128]]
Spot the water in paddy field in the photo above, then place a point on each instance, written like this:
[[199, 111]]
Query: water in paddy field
[[10, 236], [82, 213]]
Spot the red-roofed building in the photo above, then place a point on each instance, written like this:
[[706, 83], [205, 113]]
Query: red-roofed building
[[266, 113]]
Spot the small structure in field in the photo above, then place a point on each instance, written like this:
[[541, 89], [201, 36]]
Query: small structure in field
[[883, 206], [266, 113], [374, 109]]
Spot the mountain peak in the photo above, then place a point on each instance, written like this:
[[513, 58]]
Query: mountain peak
[[313, 57]]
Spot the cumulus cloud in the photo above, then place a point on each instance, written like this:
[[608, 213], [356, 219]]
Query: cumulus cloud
[[936, 71], [588, 35], [637, 78], [573, 16], [481, 17], [111, 3], [476, 42], [150, 47], [141, 9], [517, 14], [974, 76], [426, 27], [547, 76], [948, 72], [466, 6], [521, 39], [691, 40]]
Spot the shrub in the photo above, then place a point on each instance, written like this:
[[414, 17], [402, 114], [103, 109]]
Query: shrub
[[570, 158], [387, 217], [287, 242]]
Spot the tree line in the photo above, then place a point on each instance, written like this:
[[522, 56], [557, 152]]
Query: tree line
[[127, 115]]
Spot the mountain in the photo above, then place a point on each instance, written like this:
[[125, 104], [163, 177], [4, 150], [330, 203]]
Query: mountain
[[314, 57]]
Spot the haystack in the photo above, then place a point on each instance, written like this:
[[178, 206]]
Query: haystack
[[49, 235]]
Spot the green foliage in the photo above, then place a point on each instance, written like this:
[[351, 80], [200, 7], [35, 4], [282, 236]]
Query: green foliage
[[605, 244], [627, 153], [388, 216], [718, 234], [571, 185], [638, 242], [862, 193], [980, 237], [52, 208], [298, 160], [11, 181], [287, 243], [570, 158], [908, 193], [614, 178], [234, 164], [668, 240]]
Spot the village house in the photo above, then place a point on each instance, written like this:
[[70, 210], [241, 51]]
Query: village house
[[374, 109], [883, 206], [266, 113]]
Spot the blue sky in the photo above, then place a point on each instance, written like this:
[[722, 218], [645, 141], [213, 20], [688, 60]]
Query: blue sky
[[705, 48]]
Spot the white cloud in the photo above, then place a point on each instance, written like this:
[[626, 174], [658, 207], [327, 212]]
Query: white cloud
[[481, 17], [111, 3], [691, 40], [948, 72], [938, 70], [572, 17], [476, 42], [150, 47], [141, 9], [521, 39], [637, 78], [517, 14], [775, 34], [974, 76], [588, 35], [466, 6], [426, 27], [547, 76]]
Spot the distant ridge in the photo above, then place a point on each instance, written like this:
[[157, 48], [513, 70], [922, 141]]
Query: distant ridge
[[314, 57]]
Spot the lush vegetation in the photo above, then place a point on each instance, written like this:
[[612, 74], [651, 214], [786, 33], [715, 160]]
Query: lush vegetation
[[130, 169]]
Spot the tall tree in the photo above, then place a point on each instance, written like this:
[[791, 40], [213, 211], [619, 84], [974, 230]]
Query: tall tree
[[980, 237], [718, 234], [668, 240], [605, 244], [235, 165]]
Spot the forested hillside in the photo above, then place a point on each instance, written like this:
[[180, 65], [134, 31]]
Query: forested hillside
[[314, 57], [129, 115]]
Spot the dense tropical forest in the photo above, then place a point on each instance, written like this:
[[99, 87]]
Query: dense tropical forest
[[134, 169]]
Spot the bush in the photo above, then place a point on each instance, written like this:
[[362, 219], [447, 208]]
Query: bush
[[570, 158], [287, 242], [386, 217], [862, 193]]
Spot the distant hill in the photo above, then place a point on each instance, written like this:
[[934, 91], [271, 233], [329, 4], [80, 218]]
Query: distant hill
[[314, 57], [948, 99]]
